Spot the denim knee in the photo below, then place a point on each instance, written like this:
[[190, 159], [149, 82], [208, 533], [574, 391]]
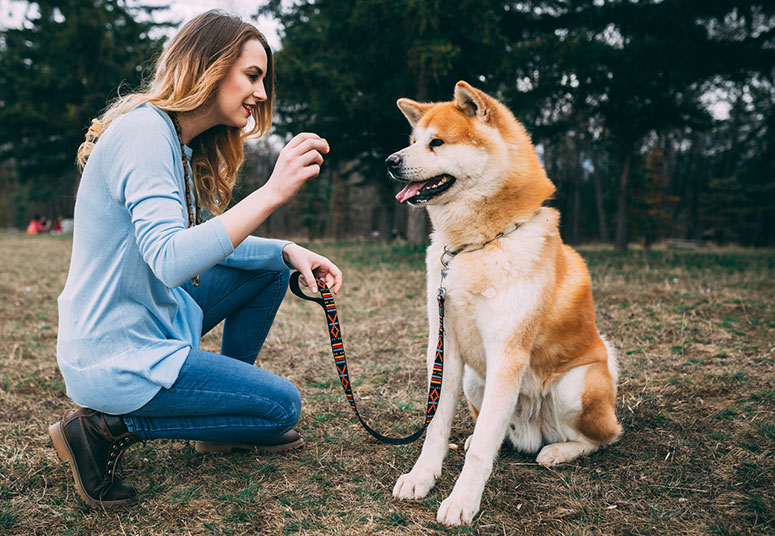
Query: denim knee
[[292, 405], [285, 277]]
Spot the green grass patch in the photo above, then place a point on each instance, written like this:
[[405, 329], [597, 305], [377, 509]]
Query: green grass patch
[[695, 401]]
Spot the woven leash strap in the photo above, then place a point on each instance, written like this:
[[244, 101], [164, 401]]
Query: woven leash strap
[[337, 349]]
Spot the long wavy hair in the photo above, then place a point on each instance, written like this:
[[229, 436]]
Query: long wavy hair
[[187, 77]]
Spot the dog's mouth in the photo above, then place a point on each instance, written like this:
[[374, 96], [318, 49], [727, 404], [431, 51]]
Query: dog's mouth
[[417, 193]]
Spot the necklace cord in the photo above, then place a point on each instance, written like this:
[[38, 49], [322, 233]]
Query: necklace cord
[[194, 215]]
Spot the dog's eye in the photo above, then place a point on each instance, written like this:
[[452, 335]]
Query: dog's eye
[[435, 142]]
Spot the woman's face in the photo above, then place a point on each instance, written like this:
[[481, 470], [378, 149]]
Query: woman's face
[[243, 87]]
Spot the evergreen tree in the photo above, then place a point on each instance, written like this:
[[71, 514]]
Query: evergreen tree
[[344, 64], [56, 73], [634, 69]]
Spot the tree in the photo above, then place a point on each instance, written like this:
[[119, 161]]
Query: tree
[[56, 73], [343, 65], [634, 68], [599, 85]]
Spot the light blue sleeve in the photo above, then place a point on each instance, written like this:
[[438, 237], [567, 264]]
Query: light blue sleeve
[[256, 253], [259, 254], [140, 169]]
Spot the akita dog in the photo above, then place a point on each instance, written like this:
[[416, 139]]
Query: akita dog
[[520, 326]]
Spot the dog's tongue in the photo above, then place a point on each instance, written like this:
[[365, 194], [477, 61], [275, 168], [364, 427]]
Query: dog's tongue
[[410, 191]]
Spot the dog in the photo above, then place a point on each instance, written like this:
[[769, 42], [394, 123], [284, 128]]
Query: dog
[[521, 338]]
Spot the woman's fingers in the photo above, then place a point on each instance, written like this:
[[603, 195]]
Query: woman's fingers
[[307, 153], [331, 274], [308, 280], [299, 161], [306, 140], [311, 157], [317, 145], [300, 138]]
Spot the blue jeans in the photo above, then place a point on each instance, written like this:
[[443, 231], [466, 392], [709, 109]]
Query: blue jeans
[[225, 397]]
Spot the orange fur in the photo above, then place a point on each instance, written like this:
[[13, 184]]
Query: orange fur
[[521, 317]]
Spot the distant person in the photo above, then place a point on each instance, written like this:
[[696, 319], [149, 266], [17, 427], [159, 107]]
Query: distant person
[[56, 227], [158, 260], [37, 225]]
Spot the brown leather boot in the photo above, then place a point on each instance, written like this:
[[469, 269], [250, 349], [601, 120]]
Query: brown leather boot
[[93, 443], [290, 440]]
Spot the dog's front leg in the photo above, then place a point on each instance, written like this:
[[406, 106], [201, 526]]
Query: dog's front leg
[[418, 482], [501, 391]]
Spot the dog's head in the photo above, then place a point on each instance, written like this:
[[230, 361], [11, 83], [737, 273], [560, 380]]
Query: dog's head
[[469, 149]]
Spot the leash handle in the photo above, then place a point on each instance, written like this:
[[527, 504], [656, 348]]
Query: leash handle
[[337, 349]]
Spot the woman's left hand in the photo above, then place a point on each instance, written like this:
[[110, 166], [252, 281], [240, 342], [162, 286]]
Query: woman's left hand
[[312, 265]]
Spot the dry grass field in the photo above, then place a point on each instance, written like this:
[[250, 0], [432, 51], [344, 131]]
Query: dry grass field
[[696, 399]]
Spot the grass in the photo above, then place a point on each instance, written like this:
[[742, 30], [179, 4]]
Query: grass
[[696, 399]]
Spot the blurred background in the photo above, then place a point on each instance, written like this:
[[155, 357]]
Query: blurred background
[[655, 119]]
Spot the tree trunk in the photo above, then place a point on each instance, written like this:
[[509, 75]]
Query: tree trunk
[[576, 171], [417, 219], [693, 188], [622, 196], [601, 215], [340, 206], [417, 226], [387, 207]]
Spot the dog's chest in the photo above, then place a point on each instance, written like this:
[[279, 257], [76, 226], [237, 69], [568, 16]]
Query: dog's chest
[[468, 320], [489, 293]]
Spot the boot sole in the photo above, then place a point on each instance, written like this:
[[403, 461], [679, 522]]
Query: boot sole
[[65, 454], [205, 447]]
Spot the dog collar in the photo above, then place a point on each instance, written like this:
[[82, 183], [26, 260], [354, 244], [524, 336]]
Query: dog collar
[[465, 248]]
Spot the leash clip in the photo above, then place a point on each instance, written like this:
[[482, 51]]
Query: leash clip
[[444, 262], [443, 291]]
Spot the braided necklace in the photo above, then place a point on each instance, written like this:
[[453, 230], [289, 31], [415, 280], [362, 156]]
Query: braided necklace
[[194, 216]]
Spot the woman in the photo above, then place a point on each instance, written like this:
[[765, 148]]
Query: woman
[[150, 274]]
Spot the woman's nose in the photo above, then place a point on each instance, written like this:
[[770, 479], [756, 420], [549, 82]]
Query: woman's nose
[[260, 93]]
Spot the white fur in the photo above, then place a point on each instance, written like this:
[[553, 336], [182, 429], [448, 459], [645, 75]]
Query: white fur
[[474, 168], [492, 294], [479, 317]]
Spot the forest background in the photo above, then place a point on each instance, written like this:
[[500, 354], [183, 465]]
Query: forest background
[[655, 119]]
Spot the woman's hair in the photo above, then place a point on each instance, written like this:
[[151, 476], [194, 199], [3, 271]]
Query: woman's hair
[[188, 74]]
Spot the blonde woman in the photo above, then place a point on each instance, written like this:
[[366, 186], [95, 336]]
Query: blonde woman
[[157, 262]]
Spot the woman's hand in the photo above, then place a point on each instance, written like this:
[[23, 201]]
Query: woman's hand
[[298, 162], [312, 265]]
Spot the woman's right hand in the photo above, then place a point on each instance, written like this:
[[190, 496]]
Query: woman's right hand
[[298, 162]]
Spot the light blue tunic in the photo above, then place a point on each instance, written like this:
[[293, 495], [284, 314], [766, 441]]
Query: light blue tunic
[[125, 326]]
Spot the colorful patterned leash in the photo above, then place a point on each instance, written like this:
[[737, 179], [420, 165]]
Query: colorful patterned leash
[[337, 349]]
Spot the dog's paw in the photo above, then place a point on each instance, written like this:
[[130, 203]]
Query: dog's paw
[[549, 456], [457, 509], [415, 484], [558, 453]]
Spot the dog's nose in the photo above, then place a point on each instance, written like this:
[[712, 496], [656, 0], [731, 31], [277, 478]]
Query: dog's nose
[[393, 161]]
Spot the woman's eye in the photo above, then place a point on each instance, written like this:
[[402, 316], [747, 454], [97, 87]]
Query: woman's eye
[[253, 77], [436, 142]]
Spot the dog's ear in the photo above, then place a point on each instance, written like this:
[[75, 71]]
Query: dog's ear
[[471, 101], [413, 110]]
